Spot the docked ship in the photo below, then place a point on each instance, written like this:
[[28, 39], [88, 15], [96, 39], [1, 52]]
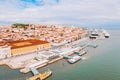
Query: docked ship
[[105, 33], [94, 34], [41, 76], [74, 59], [83, 52]]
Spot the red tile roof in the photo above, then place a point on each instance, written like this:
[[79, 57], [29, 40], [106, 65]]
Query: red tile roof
[[25, 43]]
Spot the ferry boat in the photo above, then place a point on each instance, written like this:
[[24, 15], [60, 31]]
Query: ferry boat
[[74, 59], [83, 52], [41, 76]]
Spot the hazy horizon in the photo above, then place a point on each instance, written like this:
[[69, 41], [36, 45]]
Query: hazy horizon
[[85, 13]]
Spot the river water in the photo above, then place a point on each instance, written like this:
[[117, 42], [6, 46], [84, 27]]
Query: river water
[[101, 63]]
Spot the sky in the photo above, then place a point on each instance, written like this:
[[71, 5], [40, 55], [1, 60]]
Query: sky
[[69, 12]]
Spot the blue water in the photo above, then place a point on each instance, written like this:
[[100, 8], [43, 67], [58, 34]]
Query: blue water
[[101, 63]]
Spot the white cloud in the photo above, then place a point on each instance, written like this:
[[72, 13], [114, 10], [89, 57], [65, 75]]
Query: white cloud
[[65, 12]]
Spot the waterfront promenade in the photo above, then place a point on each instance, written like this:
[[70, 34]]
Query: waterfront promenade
[[37, 59], [27, 60]]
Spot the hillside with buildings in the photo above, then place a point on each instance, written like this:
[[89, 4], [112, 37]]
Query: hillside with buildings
[[25, 38]]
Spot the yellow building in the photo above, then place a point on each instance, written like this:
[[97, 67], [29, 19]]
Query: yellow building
[[26, 46]]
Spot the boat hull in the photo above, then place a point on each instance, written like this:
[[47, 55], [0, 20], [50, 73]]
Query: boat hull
[[42, 76], [47, 76], [82, 53], [72, 62], [106, 36]]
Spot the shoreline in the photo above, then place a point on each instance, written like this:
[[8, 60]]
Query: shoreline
[[13, 65], [50, 62], [67, 68]]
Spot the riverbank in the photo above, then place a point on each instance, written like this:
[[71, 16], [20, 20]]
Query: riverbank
[[100, 64], [24, 62], [68, 51]]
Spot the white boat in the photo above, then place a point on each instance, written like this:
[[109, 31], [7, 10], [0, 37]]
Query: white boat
[[74, 59], [83, 52], [94, 34], [106, 34]]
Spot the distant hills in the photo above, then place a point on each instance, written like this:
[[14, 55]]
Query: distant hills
[[19, 25]]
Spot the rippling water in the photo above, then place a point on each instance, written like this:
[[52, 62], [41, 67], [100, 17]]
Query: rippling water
[[101, 63]]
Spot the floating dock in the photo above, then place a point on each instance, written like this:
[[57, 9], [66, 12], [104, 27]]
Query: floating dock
[[34, 71], [93, 45], [66, 57], [74, 59], [81, 52], [39, 76]]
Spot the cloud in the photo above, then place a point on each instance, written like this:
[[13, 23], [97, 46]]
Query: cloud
[[83, 12]]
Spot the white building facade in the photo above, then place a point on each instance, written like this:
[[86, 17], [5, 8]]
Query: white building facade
[[5, 52]]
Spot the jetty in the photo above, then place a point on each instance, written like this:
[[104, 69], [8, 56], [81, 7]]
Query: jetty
[[81, 52], [66, 57], [93, 45], [72, 59], [39, 76], [34, 71]]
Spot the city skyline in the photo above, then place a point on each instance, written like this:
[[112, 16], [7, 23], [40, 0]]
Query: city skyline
[[79, 12]]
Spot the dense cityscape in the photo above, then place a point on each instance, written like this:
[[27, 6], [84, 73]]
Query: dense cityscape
[[59, 39], [28, 46]]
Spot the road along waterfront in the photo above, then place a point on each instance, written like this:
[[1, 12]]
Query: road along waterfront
[[101, 63]]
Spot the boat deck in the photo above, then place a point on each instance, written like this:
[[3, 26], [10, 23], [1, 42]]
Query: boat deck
[[41, 76]]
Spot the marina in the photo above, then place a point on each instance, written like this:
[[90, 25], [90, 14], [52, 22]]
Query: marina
[[98, 59], [72, 52], [59, 39]]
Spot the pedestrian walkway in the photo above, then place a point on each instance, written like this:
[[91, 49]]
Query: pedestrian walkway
[[34, 71]]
